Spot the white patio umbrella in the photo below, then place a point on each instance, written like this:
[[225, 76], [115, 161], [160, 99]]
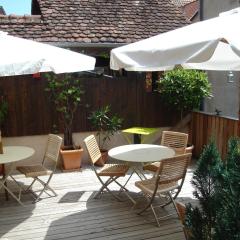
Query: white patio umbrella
[[19, 56], [213, 44]]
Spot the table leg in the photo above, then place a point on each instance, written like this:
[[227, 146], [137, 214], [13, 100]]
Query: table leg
[[136, 138], [5, 183], [137, 171], [140, 173]]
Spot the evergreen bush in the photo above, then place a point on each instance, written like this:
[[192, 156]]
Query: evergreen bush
[[217, 185]]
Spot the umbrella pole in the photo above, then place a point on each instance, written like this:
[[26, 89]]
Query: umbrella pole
[[238, 109]]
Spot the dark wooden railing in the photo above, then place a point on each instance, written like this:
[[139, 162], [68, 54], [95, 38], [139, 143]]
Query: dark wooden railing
[[32, 113], [206, 126]]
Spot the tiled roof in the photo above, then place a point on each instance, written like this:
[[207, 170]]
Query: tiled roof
[[95, 21], [188, 7], [191, 9], [181, 3]]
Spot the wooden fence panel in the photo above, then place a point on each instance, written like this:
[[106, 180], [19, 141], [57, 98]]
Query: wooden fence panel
[[32, 113], [205, 126]]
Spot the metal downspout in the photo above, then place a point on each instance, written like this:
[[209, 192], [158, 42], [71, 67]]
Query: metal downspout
[[201, 15]]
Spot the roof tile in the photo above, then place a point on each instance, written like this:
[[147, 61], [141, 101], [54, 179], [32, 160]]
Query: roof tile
[[96, 21]]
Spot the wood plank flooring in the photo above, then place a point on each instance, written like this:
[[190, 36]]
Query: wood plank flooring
[[74, 214]]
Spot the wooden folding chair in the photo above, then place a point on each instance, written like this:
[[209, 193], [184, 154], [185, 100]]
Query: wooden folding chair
[[113, 171], [178, 142], [54, 143], [175, 140], [170, 172]]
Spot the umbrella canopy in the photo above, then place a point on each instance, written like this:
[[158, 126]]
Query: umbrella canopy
[[20, 56], [213, 44]]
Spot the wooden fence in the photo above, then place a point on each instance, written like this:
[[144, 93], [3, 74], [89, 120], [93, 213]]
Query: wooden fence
[[32, 113], [204, 126]]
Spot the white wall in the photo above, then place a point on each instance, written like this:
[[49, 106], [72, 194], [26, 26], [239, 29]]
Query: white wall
[[212, 8], [226, 95], [38, 143]]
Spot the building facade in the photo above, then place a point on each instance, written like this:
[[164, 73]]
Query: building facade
[[225, 85]]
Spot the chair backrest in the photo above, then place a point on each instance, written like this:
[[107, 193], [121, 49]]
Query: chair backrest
[[53, 147], [173, 169], [92, 148], [175, 140]]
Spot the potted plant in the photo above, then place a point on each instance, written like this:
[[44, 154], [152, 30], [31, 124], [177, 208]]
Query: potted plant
[[66, 93], [183, 89], [106, 125]]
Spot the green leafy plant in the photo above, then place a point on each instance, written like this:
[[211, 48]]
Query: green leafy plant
[[228, 195], [66, 94], [184, 89], [217, 185], [105, 124], [201, 220]]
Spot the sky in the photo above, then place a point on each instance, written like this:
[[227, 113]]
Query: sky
[[18, 7]]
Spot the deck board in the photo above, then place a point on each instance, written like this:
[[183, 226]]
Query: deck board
[[74, 214]]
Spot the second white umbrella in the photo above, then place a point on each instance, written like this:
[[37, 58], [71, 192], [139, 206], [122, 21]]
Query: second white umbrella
[[20, 56]]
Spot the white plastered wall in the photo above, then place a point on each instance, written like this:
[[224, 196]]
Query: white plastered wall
[[226, 95], [38, 143]]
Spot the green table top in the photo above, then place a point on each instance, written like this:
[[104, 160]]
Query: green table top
[[140, 130]]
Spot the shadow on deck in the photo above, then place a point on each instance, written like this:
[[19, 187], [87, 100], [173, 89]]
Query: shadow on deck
[[74, 214]]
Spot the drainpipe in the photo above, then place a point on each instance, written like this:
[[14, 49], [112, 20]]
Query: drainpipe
[[201, 2]]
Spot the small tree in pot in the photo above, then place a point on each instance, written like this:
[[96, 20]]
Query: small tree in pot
[[106, 125], [66, 94], [184, 89]]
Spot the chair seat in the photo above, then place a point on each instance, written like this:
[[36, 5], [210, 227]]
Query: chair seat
[[148, 186], [114, 170], [153, 167], [34, 171]]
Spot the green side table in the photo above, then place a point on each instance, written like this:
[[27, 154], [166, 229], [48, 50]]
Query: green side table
[[138, 133]]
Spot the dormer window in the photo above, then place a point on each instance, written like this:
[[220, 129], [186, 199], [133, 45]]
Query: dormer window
[[36, 8]]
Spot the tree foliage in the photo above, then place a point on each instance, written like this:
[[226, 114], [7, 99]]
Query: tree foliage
[[66, 94], [217, 185], [228, 195], [105, 123], [184, 89]]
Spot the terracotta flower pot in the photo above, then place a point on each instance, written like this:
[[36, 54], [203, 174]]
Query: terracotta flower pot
[[71, 159]]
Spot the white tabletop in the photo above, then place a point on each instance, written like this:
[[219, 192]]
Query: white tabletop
[[15, 153], [141, 153]]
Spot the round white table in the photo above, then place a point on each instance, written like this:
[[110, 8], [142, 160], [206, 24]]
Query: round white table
[[15, 153], [142, 153], [139, 154], [11, 155]]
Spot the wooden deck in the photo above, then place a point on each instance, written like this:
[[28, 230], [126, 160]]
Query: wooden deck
[[74, 214]]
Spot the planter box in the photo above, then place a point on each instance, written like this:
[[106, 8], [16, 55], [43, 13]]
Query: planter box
[[71, 159]]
